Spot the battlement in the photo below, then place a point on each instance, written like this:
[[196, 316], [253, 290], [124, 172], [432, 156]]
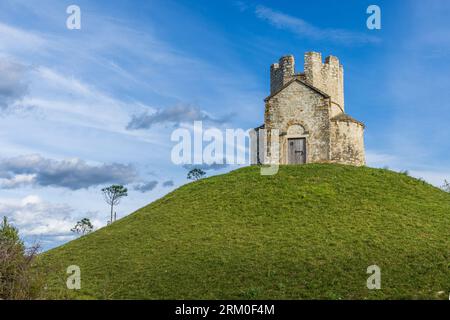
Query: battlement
[[304, 116], [281, 72], [327, 77]]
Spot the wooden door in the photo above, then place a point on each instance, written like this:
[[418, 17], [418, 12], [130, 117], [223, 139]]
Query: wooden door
[[296, 151]]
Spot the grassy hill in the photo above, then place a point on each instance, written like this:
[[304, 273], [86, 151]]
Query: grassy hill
[[310, 231]]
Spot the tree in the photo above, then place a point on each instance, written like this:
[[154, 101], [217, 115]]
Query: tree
[[83, 227], [446, 186], [113, 194], [9, 233], [196, 174], [19, 276]]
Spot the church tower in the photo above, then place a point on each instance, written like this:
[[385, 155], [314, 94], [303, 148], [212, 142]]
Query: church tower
[[305, 117]]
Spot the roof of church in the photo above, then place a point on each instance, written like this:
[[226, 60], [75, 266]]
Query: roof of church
[[345, 117], [296, 79]]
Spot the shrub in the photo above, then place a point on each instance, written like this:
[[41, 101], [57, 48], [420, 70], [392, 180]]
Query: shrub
[[19, 277]]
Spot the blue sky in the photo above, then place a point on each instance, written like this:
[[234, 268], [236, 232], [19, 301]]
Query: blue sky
[[67, 97]]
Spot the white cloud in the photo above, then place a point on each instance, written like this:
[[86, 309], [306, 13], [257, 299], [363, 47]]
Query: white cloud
[[35, 217], [83, 89], [39, 220], [17, 181]]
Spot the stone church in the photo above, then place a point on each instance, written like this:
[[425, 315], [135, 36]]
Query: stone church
[[305, 119]]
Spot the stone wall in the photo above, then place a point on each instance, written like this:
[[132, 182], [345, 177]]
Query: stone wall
[[327, 77], [347, 142], [299, 107], [281, 73]]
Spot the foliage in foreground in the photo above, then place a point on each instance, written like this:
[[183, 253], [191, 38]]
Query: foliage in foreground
[[19, 276]]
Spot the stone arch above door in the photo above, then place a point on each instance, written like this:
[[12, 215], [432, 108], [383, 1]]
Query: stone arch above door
[[296, 129]]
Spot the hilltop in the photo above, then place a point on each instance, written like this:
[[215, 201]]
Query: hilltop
[[308, 232]]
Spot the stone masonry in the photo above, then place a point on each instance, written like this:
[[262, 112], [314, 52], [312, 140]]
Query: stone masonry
[[308, 111]]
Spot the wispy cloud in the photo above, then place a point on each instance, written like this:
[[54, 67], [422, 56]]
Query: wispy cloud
[[305, 29], [241, 5], [379, 159], [13, 39], [416, 73], [174, 116], [13, 83]]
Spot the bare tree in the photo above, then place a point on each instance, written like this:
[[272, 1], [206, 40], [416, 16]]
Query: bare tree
[[113, 194], [446, 186]]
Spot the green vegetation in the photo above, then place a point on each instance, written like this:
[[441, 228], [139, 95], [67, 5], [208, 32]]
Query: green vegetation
[[83, 227], [196, 174], [113, 194], [310, 231], [19, 278]]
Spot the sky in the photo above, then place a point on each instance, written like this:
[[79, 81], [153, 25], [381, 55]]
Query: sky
[[83, 109]]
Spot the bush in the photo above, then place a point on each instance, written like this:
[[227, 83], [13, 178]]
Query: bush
[[19, 277]]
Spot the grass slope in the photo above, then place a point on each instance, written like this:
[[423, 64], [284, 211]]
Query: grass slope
[[310, 231]]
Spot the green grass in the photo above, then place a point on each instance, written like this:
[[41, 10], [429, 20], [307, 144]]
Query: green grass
[[309, 232]]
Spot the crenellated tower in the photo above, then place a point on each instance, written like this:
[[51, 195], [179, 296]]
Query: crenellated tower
[[327, 77], [281, 73], [306, 112]]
